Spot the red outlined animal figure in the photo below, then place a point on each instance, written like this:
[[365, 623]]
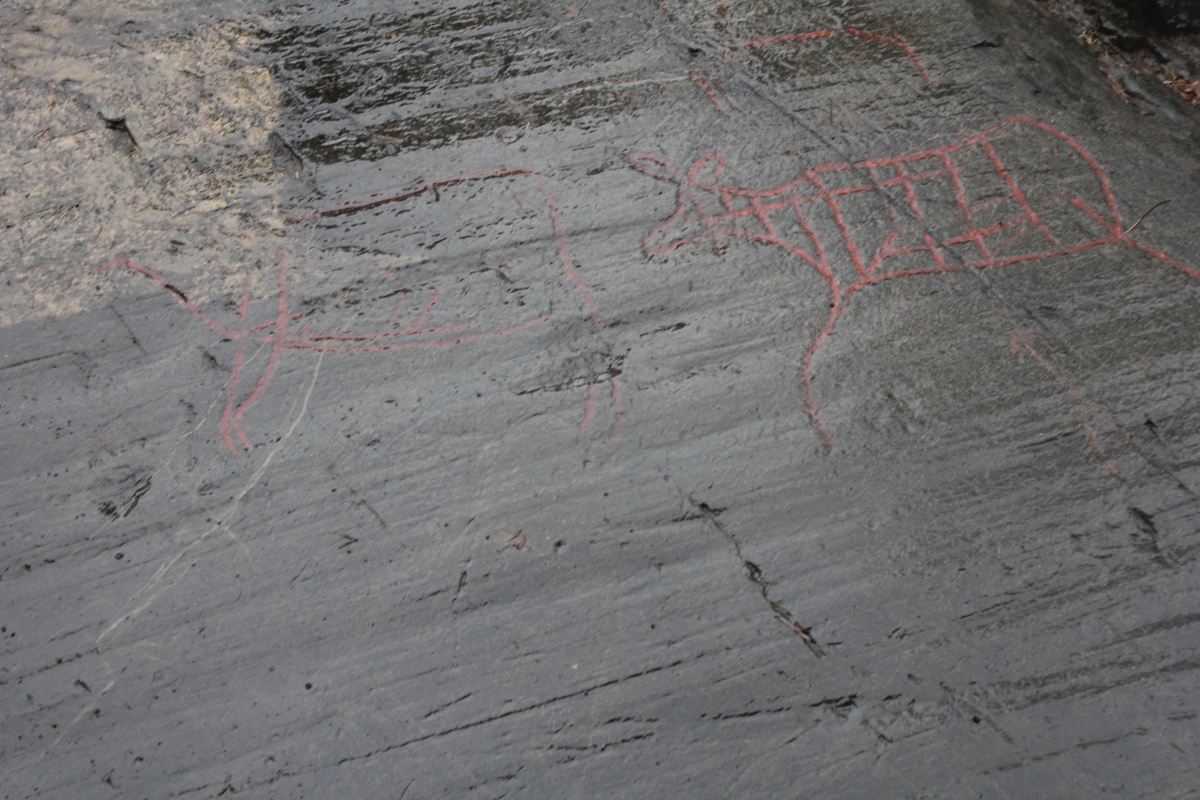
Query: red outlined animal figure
[[422, 317], [978, 203], [722, 16]]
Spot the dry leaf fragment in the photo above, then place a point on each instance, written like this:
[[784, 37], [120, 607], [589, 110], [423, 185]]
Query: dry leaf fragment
[[205, 206], [507, 539]]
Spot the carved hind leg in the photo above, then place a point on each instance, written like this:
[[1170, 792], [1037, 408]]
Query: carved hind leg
[[810, 401], [229, 423], [589, 411]]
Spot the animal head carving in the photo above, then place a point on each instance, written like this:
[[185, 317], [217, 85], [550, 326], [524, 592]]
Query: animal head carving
[[691, 221]]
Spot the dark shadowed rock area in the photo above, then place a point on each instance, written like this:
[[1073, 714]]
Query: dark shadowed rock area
[[599, 398]]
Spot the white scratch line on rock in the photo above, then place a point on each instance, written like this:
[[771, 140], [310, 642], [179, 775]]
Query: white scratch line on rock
[[170, 563]]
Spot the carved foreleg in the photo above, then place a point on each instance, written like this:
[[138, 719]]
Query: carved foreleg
[[593, 398]]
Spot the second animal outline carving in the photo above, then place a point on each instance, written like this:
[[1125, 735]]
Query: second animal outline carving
[[951, 208], [283, 331]]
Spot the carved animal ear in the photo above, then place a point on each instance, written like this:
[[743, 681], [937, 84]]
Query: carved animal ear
[[657, 168], [706, 169]]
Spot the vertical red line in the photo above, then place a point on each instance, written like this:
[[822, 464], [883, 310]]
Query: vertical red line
[[589, 410], [873, 172], [909, 192], [964, 207], [278, 342], [840, 219], [883, 252], [764, 219], [712, 96], [821, 263], [564, 256], [226, 421], [618, 413], [810, 400], [900, 43], [1030, 214], [935, 250]]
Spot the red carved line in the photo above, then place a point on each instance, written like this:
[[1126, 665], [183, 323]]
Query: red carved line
[[375, 335], [276, 334], [964, 208], [906, 179], [564, 254], [278, 341], [161, 281], [1021, 341], [315, 345], [843, 226], [742, 204], [664, 171], [618, 413], [1119, 235], [1015, 190], [712, 96], [810, 400], [589, 410], [414, 192], [228, 416], [787, 37], [897, 42]]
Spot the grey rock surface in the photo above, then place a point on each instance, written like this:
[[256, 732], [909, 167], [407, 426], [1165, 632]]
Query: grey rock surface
[[594, 399]]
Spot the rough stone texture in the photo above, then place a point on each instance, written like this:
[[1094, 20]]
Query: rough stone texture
[[403, 451], [1163, 16]]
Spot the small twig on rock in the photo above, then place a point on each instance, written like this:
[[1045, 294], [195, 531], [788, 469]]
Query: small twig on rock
[[1143, 216]]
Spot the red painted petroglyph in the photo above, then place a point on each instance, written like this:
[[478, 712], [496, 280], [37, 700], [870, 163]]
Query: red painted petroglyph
[[1022, 343], [895, 40], [711, 85], [728, 47], [282, 332], [877, 218]]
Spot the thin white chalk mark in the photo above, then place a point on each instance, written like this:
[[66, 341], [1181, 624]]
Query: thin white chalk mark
[[170, 563], [90, 708]]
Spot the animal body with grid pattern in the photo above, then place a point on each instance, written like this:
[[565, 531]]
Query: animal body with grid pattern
[[961, 206]]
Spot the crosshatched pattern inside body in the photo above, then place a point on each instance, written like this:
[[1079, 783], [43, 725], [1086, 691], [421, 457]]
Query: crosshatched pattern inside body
[[988, 200]]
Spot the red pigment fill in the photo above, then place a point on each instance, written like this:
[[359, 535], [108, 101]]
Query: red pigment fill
[[589, 410], [708, 90], [1022, 341], [708, 210], [278, 335]]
